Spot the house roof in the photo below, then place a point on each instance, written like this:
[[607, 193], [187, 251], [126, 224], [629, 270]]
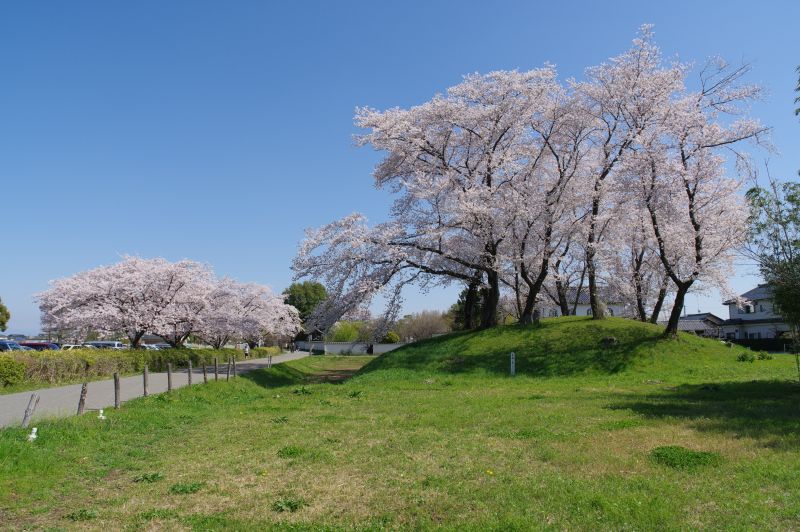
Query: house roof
[[762, 291], [695, 325], [709, 316]]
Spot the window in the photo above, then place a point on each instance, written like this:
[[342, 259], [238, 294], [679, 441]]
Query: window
[[760, 308], [610, 311], [553, 313]]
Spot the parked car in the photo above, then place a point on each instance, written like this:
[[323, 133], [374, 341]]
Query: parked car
[[69, 347], [107, 345], [150, 347], [40, 346], [163, 346], [9, 345]]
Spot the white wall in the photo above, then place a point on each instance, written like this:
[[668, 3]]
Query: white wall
[[349, 348]]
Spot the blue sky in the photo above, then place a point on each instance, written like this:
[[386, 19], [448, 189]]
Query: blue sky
[[218, 131]]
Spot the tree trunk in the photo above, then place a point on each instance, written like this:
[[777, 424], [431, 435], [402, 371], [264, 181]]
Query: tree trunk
[[470, 303], [561, 292], [662, 294], [136, 339], [672, 325], [491, 300]]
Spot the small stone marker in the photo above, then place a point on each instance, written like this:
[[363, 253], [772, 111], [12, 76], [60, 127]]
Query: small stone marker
[[100, 415], [32, 436], [513, 368]]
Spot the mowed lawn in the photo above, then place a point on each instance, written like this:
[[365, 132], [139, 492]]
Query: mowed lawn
[[437, 435]]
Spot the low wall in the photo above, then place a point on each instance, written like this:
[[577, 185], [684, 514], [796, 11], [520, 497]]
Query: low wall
[[347, 348]]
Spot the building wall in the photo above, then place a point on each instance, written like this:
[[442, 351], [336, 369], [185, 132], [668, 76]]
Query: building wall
[[553, 311], [755, 330], [761, 309], [347, 348]]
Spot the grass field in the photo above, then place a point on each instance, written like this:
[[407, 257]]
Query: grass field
[[645, 434]]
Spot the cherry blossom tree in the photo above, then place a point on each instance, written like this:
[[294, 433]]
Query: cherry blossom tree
[[697, 216]]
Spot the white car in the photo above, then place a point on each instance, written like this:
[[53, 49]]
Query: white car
[[102, 344]]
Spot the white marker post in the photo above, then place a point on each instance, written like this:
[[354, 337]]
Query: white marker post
[[513, 368]]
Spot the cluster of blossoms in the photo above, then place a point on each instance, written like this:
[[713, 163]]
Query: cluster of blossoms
[[171, 299], [516, 184]]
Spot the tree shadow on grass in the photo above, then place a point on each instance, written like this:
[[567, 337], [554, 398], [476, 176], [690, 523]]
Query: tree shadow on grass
[[285, 375], [764, 410], [536, 356]]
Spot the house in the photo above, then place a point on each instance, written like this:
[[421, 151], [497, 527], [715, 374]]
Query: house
[[579, 301], [702, 324], [757, 319]]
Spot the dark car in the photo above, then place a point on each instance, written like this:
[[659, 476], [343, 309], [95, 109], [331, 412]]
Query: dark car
[[9, 345], [40, 346]]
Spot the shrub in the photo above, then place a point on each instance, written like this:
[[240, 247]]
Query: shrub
[[391, 338], [678, 457], [11, 371], [149, 477], [82, 515], [746, 357], [262, 352], [763, 355], [58, 366]]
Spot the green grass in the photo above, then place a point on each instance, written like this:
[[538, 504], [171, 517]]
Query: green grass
[[655, 435]]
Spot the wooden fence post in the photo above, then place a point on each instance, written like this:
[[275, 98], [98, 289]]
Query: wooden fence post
[[234, 366], [228, 373], [269, 362], [144, 380], [190, 373], [216, 369], [205, 375], [34, 400], [169, 376], [117, 400], [82, 399]]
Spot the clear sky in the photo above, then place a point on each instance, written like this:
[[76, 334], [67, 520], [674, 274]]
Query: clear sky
[[218, 131]]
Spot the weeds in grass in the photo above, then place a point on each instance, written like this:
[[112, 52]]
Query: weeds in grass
[[746, 357], [149, 477], [301, 391], [292, 451], [288, 504], [355, 394], [325, 402], [157, 513], [280, 420], [678, 457], [82, 515], [763, 355], [186, 488]]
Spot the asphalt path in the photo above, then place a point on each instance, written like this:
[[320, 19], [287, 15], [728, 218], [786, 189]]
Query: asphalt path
[[63, 400]]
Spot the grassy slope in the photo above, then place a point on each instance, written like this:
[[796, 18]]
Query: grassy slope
[[437, 435]]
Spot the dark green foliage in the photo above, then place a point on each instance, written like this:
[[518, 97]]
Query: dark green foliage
[[305, 297], [678, 457], [354, 394], [186, 488], [11, 371], [5, 315], [746, 356], [288, 504], [301, 391], [280, 420]]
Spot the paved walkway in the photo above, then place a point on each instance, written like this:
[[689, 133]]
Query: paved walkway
[[63, 400]]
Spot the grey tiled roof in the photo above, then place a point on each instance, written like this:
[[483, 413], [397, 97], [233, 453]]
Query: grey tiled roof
[[762, 291]]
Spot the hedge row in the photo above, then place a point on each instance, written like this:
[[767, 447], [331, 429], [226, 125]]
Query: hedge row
[[52, 367]]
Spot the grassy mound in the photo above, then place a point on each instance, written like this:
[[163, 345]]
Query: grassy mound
[[558, 346]]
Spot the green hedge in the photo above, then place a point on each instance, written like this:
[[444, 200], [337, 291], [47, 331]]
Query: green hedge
[[58, 366]]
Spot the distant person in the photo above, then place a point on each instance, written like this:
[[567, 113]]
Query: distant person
[[246, 350]]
